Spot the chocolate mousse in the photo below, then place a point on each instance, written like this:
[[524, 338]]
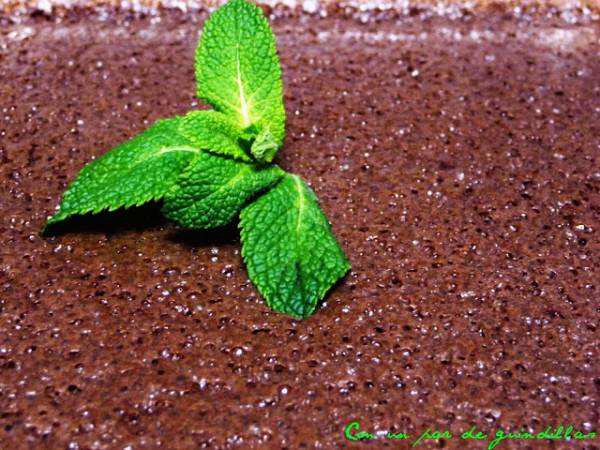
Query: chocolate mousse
[[456, 152]]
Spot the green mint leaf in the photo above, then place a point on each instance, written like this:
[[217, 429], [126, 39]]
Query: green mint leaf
[[214, 132], [213, 189], [289, 249], [133, 173], [238, 72]]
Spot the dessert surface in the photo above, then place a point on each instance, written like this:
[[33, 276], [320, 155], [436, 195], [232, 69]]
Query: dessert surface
[[458, 159]]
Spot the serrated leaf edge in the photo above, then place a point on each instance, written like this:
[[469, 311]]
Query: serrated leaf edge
[[58, 217]]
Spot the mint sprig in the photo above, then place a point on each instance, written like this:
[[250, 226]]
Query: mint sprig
[[209, 166]]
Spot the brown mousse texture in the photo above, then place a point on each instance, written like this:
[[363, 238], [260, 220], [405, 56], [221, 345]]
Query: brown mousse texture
[[458, 160]]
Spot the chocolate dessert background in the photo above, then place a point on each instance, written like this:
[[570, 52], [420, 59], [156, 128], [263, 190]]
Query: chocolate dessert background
[[458, 159]]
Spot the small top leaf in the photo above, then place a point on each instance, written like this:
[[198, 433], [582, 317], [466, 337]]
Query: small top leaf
[[289, 249], [238, 72], [214, 132]]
